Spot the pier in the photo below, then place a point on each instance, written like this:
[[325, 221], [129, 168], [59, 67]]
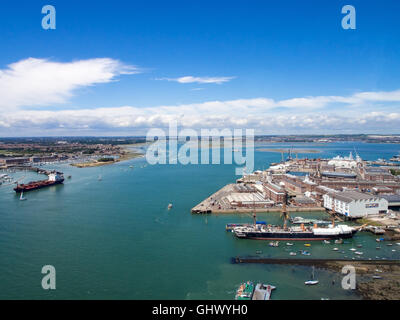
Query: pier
[[312, 262]]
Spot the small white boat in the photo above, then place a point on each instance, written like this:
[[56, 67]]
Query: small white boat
[[311, 282], [376, 277], [170, 206], [339, 241], [359, 253], [335, 249], [293, 253], [274, 244], [352, 249], [289, 244], [327, 242]]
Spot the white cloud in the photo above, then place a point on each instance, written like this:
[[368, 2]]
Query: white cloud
[[197, 116], [191, 79], [40, 82]]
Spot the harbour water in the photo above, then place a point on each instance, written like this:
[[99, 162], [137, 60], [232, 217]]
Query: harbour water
[[116, 238]]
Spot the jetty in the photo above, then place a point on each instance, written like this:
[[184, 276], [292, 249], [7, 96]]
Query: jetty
[[312, 262]]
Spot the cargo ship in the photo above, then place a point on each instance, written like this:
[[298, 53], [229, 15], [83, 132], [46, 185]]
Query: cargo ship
[[54, 179]]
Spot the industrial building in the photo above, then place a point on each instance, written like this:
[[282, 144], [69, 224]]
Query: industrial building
[[249, 200], [353, 204], [393, 200]]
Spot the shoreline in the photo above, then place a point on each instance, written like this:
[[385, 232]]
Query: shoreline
[[127, 155], [387, 288], [287, 150]]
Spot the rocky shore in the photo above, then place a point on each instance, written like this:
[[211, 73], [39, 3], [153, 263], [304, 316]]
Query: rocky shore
[[387, 287]]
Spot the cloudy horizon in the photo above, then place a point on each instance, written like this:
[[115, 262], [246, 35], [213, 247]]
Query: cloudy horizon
[[302, 78]]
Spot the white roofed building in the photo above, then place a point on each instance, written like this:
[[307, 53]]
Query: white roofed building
[[355, 204]]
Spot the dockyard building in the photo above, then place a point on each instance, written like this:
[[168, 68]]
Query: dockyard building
[[353, 204]]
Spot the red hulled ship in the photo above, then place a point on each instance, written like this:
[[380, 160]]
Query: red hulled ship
[[54, 178]]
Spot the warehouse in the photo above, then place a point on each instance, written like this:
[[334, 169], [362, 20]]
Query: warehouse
[[249, 200], [353, 204]]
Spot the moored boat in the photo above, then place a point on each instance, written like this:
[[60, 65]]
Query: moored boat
[[266, 232], [312, 281]]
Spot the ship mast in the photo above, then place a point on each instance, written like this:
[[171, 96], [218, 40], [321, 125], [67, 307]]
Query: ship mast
[[284, 212], [254, 212]]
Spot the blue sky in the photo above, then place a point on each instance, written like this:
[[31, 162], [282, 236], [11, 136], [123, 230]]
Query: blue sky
[[275, 66]]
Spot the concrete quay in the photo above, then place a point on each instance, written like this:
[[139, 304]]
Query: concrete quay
[[218, 204]]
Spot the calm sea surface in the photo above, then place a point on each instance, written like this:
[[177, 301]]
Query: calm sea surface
[[115, 238]]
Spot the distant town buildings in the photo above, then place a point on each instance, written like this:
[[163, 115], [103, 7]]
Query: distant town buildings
[[36, 153]]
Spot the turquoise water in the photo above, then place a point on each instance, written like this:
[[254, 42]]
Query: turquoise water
[[115, 238]]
